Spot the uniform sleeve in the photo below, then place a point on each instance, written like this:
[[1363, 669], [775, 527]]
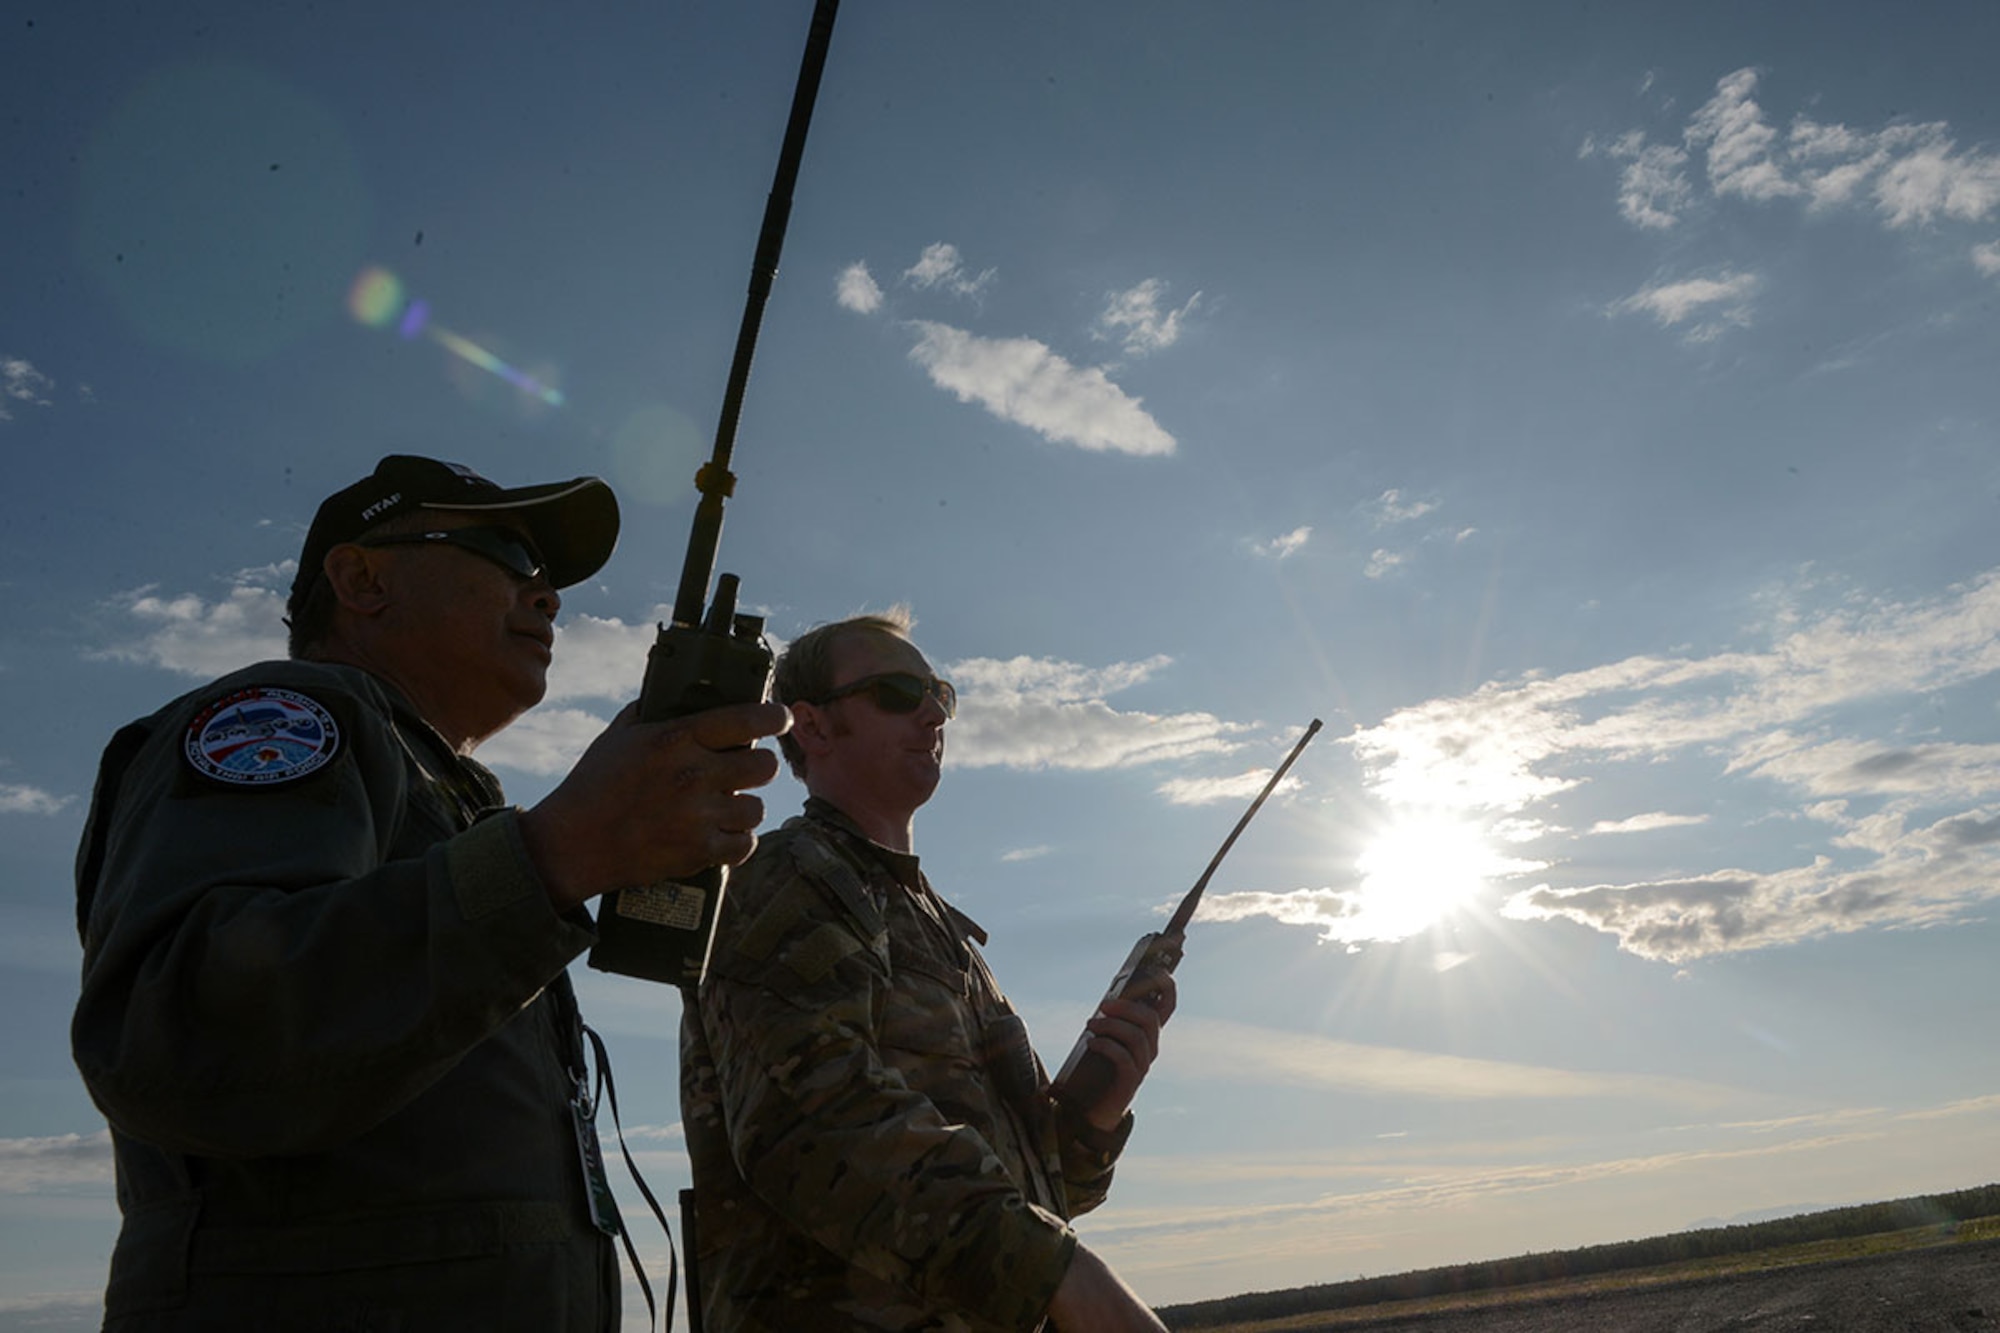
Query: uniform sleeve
[[835, 1140], [1089, 1156], [261, 978]]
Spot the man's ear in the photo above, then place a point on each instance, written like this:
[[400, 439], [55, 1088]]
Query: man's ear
[[357, 577], [811, 728]]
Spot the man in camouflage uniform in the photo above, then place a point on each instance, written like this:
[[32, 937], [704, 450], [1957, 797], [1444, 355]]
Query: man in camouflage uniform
[[874, 1144], [324, 1005]]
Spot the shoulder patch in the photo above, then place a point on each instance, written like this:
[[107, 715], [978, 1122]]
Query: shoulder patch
[[261, 736]]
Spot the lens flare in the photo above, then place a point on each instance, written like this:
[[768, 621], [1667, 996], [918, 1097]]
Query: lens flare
[[376, 299]]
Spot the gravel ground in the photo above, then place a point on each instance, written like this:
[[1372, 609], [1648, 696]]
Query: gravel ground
[[1947, 1289]]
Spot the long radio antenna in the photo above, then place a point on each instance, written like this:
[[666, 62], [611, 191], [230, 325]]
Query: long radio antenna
[[1185, 912], [714, 480]]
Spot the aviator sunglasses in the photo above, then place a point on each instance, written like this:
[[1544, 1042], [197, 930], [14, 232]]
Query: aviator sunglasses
[[503, 546], [899, 692]]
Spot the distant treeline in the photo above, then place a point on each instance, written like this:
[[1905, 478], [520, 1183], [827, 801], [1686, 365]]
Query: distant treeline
[[1711, 1242]]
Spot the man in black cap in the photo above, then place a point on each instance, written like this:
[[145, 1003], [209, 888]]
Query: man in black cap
[[324, 1005]]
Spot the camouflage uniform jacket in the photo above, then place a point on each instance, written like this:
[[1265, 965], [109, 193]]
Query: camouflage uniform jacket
[[863, 1158], [326, 1014]]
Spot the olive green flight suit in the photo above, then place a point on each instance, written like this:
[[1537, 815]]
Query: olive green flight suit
[[328, 1021]]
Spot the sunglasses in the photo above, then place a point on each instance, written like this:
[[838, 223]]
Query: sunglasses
[[503, 546], [899, 692]]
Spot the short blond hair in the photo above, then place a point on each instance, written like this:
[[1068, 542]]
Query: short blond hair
[[805, 669]]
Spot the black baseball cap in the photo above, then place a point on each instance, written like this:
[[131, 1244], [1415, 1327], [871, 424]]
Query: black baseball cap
[[574, 524]]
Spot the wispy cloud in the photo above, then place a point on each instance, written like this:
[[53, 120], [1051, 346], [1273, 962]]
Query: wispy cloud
[[595, 658], [1037, 713], [1381, 561], [194, 636], [600, 658], [1905, 174], [1391, 507], [1254, 1056], [1497, 1190], [19, 799], [1025, 382], [1720, 303], [1913, 830], [1234, 787], [58, 1163], [857, 290], [546, 741], [1653, 190], [1385, 1202], [1133, 318], [941, 268], [20, 382], [1280, 548], [1986, 258], [1646, 823], [1026, 853]]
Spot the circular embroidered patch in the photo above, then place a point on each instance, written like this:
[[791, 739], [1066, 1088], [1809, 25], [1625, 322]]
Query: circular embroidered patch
[[261, 736]]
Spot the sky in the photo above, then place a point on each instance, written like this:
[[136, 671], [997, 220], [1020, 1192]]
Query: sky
[[1587, 411]]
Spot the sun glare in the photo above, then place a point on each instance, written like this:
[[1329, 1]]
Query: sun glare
[[1421, 868]]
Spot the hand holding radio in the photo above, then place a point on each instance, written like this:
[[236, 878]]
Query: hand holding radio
[[1092, 1074], [652, 801], [1121, 1041]]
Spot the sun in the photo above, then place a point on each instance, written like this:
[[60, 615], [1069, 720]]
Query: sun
[[1421, 868]]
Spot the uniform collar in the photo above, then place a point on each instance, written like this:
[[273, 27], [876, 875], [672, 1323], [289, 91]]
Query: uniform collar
[[904, 866]]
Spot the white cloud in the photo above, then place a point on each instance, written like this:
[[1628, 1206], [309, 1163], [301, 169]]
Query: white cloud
[[1986, 258], [20, 382], [1739, 141], [1234, 787], [1910, 174], [1038, 713], [1381, 561], [1851, 767], [1391, 507], [1034, 853], [1925, 851], [58, 1163], [193, 637], [940, 268], [600, 658], [544, 741], [1134, 319], [1933, 179], [1647, 823], [1929, 877], [1023, 381], [16, 799], [1279, 548], [1653, 190], [857, 290], [1724, 302], [594, 659]]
